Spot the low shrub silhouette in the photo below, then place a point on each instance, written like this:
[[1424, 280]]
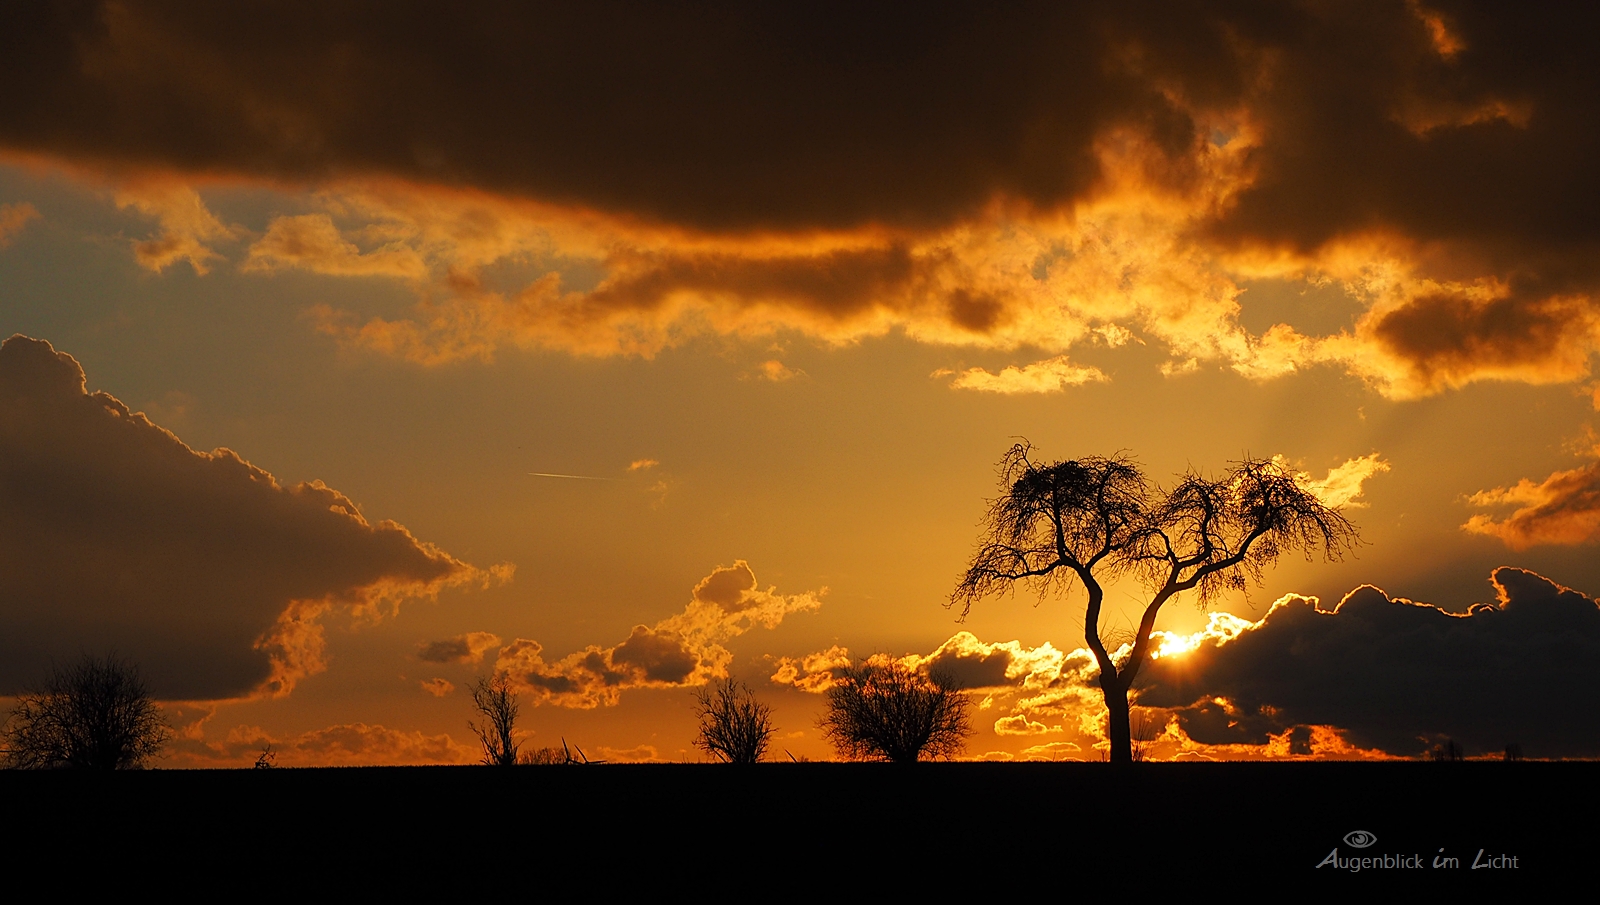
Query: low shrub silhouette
[[883, 710]]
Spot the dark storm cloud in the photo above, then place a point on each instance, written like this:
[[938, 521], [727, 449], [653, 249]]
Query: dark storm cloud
[[199, 566], [467, 648], [719, 116], [1445, 338], [1476, 125], [1398, 675], [1462, 135], [972, 668], [1443, 119]]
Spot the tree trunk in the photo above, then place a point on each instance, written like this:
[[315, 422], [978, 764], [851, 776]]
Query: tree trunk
[[1117, 722]]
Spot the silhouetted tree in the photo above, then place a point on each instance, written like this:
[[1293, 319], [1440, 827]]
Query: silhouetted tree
[[1094, 520], [497, 705], [884, 710], [96, 714], [734, 727]]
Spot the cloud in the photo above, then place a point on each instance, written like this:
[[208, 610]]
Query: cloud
[[311, 242], [201, 567], [994, 181], [1562, 509], [812, 672], [13, 217], [642, 464], [777, 372], [351, 744], [1343, 485], [639, 754], [468, 648], [187, 226], [1396, 676], [1048, 376], [438, 687], [682, 650]]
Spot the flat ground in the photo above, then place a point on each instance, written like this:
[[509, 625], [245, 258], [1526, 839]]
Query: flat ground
[[1021, 826]]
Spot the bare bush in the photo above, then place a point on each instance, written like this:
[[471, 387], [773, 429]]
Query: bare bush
[[553, 755], [94, 715], [886, 711], [497, 704], [734, 727], [1144, 729]]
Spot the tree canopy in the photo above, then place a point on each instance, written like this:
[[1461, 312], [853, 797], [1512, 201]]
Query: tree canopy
[[96, 714]]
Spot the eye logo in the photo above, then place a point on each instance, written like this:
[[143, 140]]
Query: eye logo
[[1359, 838]]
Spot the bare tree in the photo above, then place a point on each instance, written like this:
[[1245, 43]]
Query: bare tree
[[96, 714], [884, 710], [497, 705], [1093, 520], [734, 727]]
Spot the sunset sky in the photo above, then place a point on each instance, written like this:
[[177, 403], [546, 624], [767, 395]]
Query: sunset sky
[[365, 349]]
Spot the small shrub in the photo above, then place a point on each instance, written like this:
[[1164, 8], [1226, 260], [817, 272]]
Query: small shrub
[[885, 711], [734, 727]]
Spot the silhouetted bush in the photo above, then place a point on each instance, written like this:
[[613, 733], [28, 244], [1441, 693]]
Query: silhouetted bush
[[734, 727], [497, 704], [94, 715], [886, 711], [553, 755]]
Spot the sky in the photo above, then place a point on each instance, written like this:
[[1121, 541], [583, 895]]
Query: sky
[[358, 353]]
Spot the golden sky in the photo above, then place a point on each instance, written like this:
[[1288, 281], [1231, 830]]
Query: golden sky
[[362, 352]]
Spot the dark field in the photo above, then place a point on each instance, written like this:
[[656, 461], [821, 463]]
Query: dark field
[[809, 825]]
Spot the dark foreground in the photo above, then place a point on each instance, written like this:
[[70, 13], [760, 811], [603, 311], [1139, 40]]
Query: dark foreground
[[815, 826]]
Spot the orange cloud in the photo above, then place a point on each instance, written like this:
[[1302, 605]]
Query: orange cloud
[[187, 226], [682, 650], [1344, 483], [777, 372], [1150, 162], [1048, 376], [311, 242], [1562, 509]]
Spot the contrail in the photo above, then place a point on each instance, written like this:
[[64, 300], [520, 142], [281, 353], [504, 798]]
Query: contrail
[[575, 477]]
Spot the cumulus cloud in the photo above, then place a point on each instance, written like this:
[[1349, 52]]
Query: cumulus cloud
[[1396, 676], [1562, 509], [201, 567], [682, 650], [467, 648], [1048, 376], [13, 217]]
